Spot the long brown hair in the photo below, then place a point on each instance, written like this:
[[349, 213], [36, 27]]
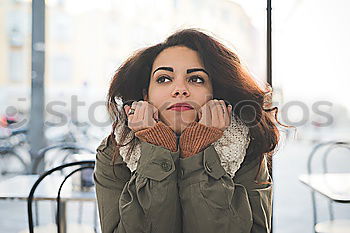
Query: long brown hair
[[229, 79]]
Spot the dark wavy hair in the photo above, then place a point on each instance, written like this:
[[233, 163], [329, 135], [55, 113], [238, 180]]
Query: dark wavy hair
[[230, 81]]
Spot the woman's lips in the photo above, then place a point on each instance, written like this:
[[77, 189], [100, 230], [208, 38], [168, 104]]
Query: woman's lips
[[180, 108]]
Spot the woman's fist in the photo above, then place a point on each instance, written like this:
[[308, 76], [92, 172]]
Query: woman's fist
[[214, 113], [144, 116]]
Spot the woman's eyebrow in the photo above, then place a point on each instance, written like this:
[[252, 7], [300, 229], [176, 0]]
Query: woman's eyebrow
[[164, 68], [197, 69], [188, 71]]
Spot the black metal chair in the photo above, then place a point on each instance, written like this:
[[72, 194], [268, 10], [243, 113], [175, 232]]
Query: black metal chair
[[87, 164], [69, 148], [333, 223]]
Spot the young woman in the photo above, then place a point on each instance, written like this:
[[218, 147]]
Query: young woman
[[190, 152]]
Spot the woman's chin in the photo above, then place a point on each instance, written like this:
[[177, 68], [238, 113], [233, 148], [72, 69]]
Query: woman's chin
[[179, 127], [175, 117], [178, 124]]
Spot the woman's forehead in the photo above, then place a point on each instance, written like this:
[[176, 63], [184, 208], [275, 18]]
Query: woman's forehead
[[177, 58]]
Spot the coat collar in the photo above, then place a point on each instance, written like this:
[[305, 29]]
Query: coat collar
[[231, 147]]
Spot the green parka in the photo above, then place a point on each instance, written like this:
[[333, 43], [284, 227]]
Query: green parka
[[170, 194]]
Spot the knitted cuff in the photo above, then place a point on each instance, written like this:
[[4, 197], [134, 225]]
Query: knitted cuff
[[197, 137], [159, 135]]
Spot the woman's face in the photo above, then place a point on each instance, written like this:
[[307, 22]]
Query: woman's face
[[178, 76]]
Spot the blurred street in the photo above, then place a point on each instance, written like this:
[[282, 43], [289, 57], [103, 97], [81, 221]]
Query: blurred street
[[292, 199]]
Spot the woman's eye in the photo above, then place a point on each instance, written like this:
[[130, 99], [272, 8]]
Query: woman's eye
[[197, 78], [161, 79]]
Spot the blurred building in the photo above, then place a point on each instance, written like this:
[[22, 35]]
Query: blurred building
[[86, 41]]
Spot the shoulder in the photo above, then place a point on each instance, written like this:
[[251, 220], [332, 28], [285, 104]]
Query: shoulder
[[107, 145], [104, 160], [253, 173]]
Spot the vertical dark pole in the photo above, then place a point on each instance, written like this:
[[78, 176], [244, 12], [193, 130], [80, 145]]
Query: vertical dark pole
[[269, 70], [269, 45], [36, 121]]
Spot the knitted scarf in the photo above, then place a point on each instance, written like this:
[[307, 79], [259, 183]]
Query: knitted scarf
[[231, 147]]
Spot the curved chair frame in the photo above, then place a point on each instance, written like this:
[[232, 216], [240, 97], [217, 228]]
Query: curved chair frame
[[87, 164], [332, 145]]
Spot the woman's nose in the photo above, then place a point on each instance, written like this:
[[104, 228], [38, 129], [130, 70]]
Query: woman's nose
[[180, 89], [180, 92]]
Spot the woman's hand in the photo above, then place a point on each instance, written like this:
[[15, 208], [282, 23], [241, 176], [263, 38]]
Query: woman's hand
[[145, 115], [214, 113]]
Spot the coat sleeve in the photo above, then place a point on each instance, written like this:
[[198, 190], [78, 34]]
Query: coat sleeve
[[212, 201], [145, 200]]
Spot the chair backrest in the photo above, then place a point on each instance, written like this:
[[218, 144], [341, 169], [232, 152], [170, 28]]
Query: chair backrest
[[61, 147], [326, 148], [87, 164], [329, 147]]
